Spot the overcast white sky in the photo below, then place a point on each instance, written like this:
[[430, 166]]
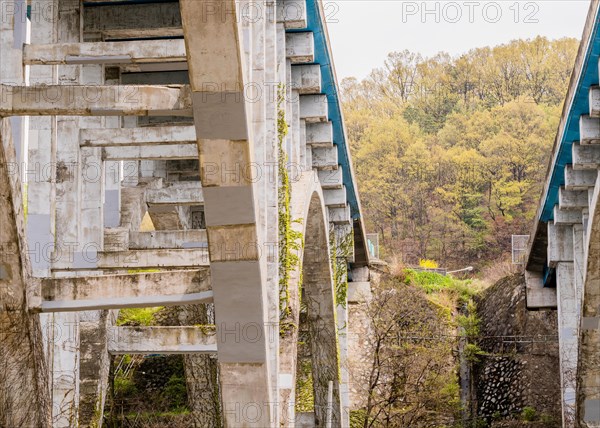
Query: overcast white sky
[[363, 32]]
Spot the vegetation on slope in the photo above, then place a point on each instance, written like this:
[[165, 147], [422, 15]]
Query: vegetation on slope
[[450, 153], [411, 379]]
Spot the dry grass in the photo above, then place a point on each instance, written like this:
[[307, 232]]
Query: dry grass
[[499, 269]]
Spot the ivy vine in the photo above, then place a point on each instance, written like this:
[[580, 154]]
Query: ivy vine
[[339, 265], [290, 241]]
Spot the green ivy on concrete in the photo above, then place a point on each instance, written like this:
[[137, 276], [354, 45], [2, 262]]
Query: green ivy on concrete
[[339, 264], [305, 401], [290, 241]]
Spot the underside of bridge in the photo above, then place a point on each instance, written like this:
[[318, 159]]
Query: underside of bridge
[[563, 268], [220, 123]]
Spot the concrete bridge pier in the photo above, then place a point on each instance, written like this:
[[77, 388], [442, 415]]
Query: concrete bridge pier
[[563, 264], [175, 130]]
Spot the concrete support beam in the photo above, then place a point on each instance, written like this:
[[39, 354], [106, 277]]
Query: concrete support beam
[[145, 259], [572, 199], [325, 158], [116, 21], [126, 291], [340, 216], [168, 239], [300, 47], [129, 52], [136, 259], [292, 13], [163, 152], [313, 108], [589, 130], [580, 179], [161, 340], [586, 157], [319, 134], [331, 179], [178, 193], [335, 198], [538, 296], [594, 100], [306, 79], [116, 238], [159, 135], [109, 100], [359, 292], [560, 244], [566, 217]]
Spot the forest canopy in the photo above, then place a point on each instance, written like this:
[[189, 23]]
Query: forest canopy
[[451, 153]]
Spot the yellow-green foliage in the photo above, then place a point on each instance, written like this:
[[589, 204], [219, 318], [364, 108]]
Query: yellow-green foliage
[[470, 321], [432, 282], [137, 316], [124, 387], [304, 387], [428, 264], [450, 151]]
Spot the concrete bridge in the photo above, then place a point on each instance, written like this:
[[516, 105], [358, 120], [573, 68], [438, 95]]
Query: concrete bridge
[[218, 121], [563, 264]]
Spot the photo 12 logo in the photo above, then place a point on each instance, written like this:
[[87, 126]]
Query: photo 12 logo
[[454, 12]]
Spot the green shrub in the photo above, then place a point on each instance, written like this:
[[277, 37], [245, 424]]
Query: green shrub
[[432, 282], [357, 418], [124, 387], [175, 392], [547, 419], [528, 414], [472, 352]]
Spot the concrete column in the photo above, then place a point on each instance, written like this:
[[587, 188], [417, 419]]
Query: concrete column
[[24, 398], [568, 339], [216, 49]]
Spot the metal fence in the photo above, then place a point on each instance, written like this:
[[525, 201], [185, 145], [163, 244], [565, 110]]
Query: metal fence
[[519, 248]]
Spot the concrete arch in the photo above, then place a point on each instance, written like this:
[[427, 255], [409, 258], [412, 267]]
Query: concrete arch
[[316, 274], [588, 385]]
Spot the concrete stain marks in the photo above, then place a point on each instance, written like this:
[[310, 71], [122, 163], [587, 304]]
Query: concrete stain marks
[[233, 243], [592, 411], [5, 273], [225, 163], [590, 323]]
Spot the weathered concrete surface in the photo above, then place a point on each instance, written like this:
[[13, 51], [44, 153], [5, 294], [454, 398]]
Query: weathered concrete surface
[[166, 151], [589, 130], [21, 348], [300, 47], [161, 340], [538, 296], [181, 193], [96, 100], [138, 136], [152, 20], [145, 259], [192, 238], [124, 291], [105, 52]]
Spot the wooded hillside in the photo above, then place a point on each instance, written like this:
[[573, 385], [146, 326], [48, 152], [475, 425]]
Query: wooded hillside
[[451, 153]]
